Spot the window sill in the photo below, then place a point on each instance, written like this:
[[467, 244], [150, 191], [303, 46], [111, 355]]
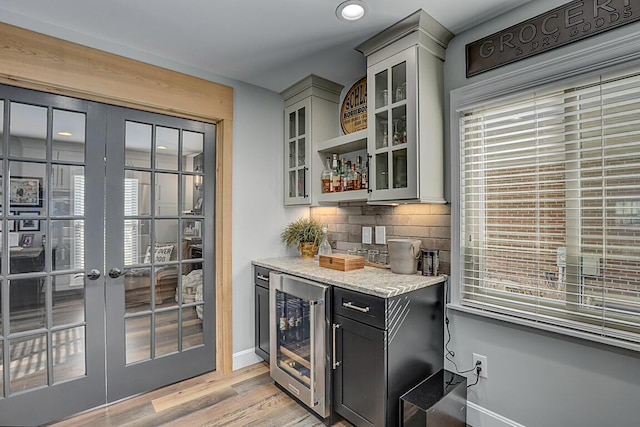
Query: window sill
[[545, 327]]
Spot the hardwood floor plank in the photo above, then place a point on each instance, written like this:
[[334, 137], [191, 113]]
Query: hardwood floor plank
[[247, 397]]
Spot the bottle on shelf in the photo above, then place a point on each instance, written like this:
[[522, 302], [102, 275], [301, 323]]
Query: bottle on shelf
[[343, 174], [327, 183], [335, 174], [349, 177], [355, 176]]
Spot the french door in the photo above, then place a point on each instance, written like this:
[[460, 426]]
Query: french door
[[106, 271]]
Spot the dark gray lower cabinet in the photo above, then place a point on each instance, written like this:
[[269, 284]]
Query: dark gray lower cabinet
[[383, 348], [261, 280]]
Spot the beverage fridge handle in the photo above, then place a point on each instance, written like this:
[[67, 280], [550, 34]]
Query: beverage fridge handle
[[335, 363], [304, 182]]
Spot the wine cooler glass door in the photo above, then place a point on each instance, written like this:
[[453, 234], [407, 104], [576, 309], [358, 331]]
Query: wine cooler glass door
[[293, 339]]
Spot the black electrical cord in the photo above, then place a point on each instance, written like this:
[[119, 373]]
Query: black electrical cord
[[449, 354]]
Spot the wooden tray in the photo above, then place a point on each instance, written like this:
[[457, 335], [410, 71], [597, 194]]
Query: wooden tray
[[342, 262]]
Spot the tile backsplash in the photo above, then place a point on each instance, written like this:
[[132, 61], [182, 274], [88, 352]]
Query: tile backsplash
[[429, 223]]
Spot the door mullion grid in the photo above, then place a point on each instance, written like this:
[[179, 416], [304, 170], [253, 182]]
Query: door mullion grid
[[180, 236]]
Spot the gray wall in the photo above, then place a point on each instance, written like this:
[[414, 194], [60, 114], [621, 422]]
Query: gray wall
[[539, 378]]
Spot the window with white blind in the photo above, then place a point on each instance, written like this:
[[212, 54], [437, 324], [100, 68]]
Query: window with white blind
[[550, 206]]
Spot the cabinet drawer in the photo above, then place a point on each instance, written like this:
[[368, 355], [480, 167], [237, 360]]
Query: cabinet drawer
[[261, 276], [364, 308]]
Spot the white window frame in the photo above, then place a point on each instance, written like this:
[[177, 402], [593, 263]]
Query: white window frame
[[606, 57]]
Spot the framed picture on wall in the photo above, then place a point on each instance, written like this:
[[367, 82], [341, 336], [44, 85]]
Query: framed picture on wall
[[28, 224], [25, 191], [26, 240]]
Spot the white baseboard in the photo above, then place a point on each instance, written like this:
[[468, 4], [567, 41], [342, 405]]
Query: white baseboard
[[478, 416], [245, 358]]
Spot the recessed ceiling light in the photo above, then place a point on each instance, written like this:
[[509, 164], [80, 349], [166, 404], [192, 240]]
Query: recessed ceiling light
[[161, 147], [351, 10], [65, 134]]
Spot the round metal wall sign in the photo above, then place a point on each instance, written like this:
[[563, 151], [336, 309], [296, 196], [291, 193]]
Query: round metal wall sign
[[353, 114]]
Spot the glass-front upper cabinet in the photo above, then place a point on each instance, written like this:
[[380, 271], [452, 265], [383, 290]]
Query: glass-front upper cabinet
[[406, 111], [311, 115], [393, 147], [297, 153]]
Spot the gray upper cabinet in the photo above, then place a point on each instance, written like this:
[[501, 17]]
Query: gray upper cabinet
[[311, 115], [405, 66]]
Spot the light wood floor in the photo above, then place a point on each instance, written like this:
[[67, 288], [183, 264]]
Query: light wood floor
[[247, 397]]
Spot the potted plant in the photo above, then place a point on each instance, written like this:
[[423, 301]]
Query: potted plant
[[305, 234]]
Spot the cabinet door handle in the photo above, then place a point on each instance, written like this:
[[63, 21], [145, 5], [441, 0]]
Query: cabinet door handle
[[263, 277], [335, 327], [355, 307]]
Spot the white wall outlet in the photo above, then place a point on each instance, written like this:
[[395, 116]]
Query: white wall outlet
[[484, 372], [366, 235], [381, 235]]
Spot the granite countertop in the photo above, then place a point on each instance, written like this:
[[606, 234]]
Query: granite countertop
[[370, 280]]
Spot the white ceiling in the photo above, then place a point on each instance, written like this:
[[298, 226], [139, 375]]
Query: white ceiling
[[268, 43]]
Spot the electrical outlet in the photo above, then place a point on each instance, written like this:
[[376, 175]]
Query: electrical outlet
[[381, 235], [484, 372], [366, 235]]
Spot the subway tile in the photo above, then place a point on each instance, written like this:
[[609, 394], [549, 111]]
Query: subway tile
[[418, 209], [323, 211], [440, 232], [362, 219], [349, 210], [410, 231], [393, 220], [441, 209]]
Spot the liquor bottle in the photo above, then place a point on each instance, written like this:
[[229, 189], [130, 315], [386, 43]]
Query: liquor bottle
[[349, 177], [327, 184], [325, 247], [335, 174], [284, 323], [344, 172], [355, 176], [364, 176]]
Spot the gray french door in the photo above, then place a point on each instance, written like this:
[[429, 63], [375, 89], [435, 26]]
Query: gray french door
[[160, 318], [106, 271]]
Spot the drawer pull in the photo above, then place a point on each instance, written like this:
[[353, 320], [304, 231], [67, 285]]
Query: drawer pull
[[355, 307], [263, 277]]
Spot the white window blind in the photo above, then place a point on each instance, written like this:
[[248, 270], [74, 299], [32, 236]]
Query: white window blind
[[78, 225], [550, 207], [131, 226]]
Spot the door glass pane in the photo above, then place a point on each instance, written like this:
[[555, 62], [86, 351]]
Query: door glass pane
[[166, 238], [399, 81], [67, 243], [166, 194], [192, 283], [382, 130], [68, 136], [292, 154], [137, 143], [301, 152], [28, 364], [137, 339], [191, 231], [68, 354], [28, 131], [136, 241], [67, 185], [399, 125], [382, 171], [68, 299], [26, 304], [165, 285], [137, 193], [301, 122], [137, 290], [193, 194], [382, 89], [400, 168], [292, 183], [292, 125], [167, 332], [301, 182], [28, 186], [192, 335], [192, 149], [167, 142]]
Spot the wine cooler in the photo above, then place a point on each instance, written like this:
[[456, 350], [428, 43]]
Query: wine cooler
[[299, 315]]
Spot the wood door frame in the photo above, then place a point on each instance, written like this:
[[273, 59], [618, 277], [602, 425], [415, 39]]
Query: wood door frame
[[35, 61]]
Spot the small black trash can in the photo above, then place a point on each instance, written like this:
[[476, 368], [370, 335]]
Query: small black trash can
[[438, 401]]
